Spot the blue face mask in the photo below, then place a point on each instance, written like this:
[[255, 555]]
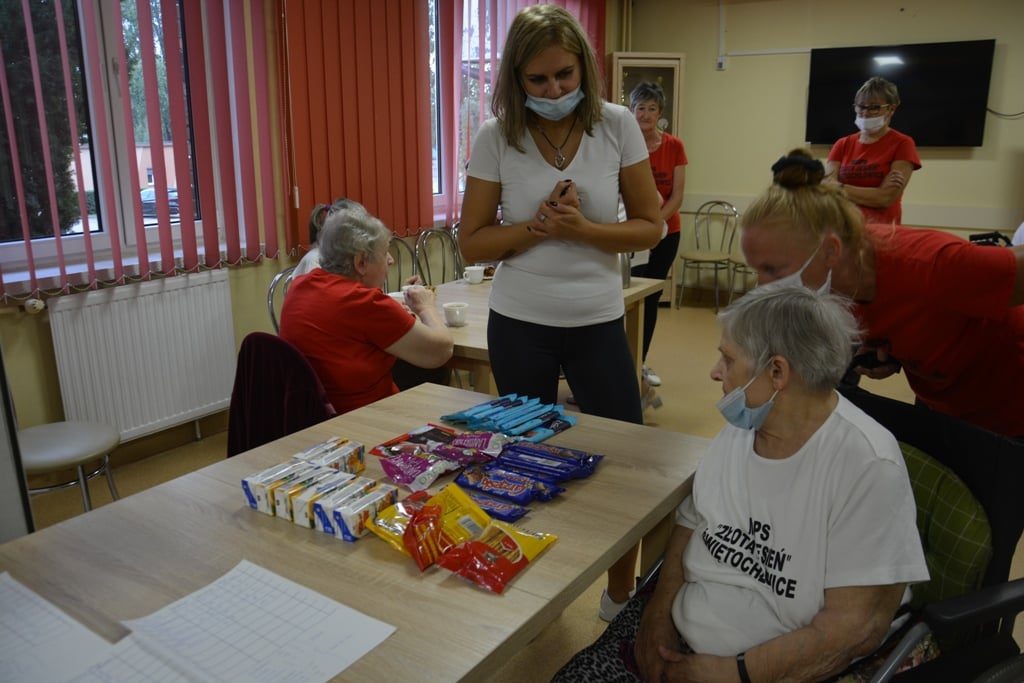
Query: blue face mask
[[734, 409], [555, 110]]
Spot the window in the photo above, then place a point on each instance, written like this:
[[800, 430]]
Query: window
[[75, 156]]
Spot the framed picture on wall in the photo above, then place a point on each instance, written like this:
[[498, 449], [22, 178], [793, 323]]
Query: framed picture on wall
[[664, 68]]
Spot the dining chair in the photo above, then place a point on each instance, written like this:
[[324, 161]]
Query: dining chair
[[449, 252], [714, 230], [282, 280], [403, 255]]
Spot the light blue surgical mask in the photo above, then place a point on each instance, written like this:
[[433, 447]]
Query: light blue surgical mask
[[796, 279], [733, 407], [555, 110]]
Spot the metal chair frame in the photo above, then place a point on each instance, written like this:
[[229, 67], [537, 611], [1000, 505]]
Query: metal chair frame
[[448, 247], [83, 483], [285, 276], [705, 256], [397, 251]]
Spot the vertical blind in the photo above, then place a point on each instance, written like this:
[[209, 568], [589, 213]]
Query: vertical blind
[[219, 58], [359, 115]]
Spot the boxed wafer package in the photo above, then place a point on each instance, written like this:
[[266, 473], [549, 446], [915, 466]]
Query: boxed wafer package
[[337, 453], [260, 487], [355, 516], [286, 493], [323, 509], [302, 505]]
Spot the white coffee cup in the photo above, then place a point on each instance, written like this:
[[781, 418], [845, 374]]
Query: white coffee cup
[[455, 313], [475, 274]]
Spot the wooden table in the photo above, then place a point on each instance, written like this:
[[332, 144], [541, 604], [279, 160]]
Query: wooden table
[[136, 555], [471, 340]]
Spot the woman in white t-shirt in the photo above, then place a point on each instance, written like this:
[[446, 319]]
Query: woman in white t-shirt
[[554, 159], [792, 554]]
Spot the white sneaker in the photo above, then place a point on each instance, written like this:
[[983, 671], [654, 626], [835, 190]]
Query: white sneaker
[[651, 377], [609, 608], [650, 399]]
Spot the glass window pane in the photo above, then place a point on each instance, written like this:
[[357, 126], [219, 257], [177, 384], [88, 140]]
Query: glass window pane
[[27, 139], [147, 143]]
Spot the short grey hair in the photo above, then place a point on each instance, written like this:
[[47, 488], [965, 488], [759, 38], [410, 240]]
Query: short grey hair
[[815, 332], [350, 230], [876, 86], [647, 91]]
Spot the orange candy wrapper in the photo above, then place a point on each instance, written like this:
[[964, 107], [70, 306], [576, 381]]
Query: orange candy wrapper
[[496, 556]]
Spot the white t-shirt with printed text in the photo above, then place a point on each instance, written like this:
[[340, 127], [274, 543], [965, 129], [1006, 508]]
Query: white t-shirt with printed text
[[560, 283], [769, 536]]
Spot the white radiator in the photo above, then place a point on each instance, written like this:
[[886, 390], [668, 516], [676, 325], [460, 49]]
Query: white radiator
[[147, 356]]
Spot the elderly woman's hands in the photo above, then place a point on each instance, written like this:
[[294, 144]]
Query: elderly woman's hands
[[656, 632], [420, 299]]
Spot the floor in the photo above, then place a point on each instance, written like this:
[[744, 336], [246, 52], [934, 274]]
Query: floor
[[684, 349]]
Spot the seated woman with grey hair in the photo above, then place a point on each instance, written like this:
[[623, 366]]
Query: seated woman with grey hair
[[349, 329], [793, 551]]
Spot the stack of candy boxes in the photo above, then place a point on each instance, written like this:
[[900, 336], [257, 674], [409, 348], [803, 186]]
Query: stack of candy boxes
[[504, 469]]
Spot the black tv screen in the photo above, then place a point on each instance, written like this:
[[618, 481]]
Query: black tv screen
[[943, 90]]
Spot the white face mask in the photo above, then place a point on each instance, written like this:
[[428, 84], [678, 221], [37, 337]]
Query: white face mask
[[796, 279], [870, 125]]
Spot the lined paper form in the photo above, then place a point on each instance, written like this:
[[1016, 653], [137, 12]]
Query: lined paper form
[[33, 629], [253, 625], [127, 661]]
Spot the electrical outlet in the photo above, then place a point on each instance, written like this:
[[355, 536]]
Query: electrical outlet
[[720, 63]]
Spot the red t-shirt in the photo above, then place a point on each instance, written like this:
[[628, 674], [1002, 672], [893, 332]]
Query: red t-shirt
[[941, 307], [863, 165], [670, 153], [343, 327]]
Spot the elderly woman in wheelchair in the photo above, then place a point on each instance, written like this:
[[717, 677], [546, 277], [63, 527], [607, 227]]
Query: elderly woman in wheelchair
[[792, 555]]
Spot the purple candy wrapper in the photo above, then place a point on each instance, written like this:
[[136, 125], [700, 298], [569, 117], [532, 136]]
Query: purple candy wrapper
[[415, 472], [504, 510], [462, 456], [488, 442]]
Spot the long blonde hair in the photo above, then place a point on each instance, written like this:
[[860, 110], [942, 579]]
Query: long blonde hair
[[533, 30], [798, 201]]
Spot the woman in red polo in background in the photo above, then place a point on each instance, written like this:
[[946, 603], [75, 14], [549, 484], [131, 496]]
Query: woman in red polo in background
[[873, 167], [668, 162]]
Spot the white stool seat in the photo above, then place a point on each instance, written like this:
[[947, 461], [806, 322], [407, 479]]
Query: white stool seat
[[60, 445], [66, 445]]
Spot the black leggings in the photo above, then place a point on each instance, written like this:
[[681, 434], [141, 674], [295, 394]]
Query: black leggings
[[526, 357], [662, 256]]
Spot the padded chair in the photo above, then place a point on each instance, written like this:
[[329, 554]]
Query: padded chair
[[712, 251], [65, 445], [449, 254], [975, 628], [282, 280], [276, 393]]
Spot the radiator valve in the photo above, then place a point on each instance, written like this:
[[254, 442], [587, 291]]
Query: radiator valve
[[34, 306]]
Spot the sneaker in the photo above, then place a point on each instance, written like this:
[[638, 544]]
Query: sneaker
[[651, 377], [650, 399], [609, 608]]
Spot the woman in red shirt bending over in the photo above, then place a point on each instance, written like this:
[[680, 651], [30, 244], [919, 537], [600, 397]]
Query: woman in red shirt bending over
[[948, 311], [872, 167]]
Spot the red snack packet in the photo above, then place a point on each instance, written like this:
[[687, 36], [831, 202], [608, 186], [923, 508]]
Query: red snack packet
[[448, 518], [496, 556]]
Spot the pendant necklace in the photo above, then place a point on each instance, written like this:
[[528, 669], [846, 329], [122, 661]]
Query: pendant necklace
[[559, 157]]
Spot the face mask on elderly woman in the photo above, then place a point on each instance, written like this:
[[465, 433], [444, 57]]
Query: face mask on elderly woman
[[735, 410], [796, 279]]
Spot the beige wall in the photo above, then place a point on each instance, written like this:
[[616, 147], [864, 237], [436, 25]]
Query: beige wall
[[736, 122]]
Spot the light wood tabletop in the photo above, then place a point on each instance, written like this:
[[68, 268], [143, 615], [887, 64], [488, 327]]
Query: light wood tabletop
[[132, 557], [471, 339]]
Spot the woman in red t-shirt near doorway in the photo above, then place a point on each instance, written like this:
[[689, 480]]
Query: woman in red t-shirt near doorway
[[872, 167], [668, 162]]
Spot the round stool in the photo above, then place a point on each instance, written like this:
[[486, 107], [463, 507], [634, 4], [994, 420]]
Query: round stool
[[63, 445]]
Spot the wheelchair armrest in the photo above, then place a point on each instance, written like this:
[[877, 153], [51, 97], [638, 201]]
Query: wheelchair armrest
[[973, 609]]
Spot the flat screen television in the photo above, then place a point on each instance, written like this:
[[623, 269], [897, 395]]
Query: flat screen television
[[943, 90]]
